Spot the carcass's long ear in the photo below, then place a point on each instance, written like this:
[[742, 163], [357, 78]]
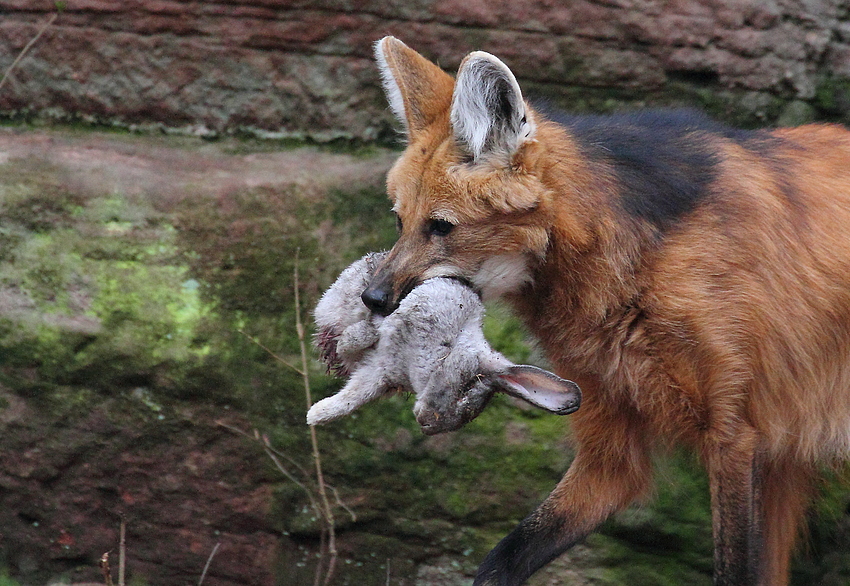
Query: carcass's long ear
[[418, 90], [488, 113], [541, 388]]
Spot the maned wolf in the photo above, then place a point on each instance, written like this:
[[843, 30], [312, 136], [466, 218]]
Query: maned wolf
[[694, 281]]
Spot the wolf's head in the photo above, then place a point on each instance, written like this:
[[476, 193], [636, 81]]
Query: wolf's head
[[469, 189]]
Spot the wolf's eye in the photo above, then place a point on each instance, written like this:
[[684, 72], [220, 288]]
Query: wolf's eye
[[439, 227]]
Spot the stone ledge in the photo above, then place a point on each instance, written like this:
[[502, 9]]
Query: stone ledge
[[299, 68]]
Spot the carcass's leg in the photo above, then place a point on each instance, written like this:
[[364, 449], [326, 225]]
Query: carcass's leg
[[366, 384]]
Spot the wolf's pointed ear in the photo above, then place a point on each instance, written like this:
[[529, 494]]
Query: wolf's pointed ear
[[488, 113], [418, 91]]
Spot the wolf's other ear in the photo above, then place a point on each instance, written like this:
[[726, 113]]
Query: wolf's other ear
[[488, 113], [418, 91]]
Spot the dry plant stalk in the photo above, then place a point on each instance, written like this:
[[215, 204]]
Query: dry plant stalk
[[207, 565], [104, 567], [122, 557], [27, 47], [317, 491], [122, 551], [327, 512]]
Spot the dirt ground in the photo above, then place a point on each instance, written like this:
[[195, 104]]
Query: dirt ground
[[171, 165]]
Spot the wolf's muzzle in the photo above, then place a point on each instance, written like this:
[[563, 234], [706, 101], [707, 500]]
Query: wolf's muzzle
[[377, 300]]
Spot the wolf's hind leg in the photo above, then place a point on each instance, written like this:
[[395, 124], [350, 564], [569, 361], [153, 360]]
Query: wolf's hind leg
[[787, 493]]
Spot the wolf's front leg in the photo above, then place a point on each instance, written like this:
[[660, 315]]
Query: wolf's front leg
[[611, 469], [735, 474]]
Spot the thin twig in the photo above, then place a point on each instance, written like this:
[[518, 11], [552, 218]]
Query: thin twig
[[317, 460], [268, 447], [104, 567], [122, 551], [323, 545], [342, 504], [207, 565], [388, 571], [274, 456], [27, 47], [327, 550], [315, 505], [272, 354]]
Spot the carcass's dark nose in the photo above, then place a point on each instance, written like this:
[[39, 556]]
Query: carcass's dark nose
[[377, 300]]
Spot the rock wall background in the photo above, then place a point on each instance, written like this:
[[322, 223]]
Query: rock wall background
[[303, 68]]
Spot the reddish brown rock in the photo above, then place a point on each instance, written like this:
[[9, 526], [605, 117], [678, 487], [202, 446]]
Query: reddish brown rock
[[182, 489], [299, 68]]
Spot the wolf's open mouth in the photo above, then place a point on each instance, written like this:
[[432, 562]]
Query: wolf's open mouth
[[467, 282]]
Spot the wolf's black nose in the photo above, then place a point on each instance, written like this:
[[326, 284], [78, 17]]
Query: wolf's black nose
[[377, 300]]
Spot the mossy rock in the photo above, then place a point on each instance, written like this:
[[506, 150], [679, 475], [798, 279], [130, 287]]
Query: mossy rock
[[832, 98], [159, 305]]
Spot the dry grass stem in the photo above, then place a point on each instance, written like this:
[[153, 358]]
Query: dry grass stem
[[27, 47], [272, 354], [341, 504], [268, 446], [104, 567], [274, 456], [316, 490], [122, 552], [327, 511], [207, 565]]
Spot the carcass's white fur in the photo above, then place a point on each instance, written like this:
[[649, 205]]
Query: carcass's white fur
[[432, 345]]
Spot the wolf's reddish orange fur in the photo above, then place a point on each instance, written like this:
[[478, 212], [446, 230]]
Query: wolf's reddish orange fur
[[723, 324]]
